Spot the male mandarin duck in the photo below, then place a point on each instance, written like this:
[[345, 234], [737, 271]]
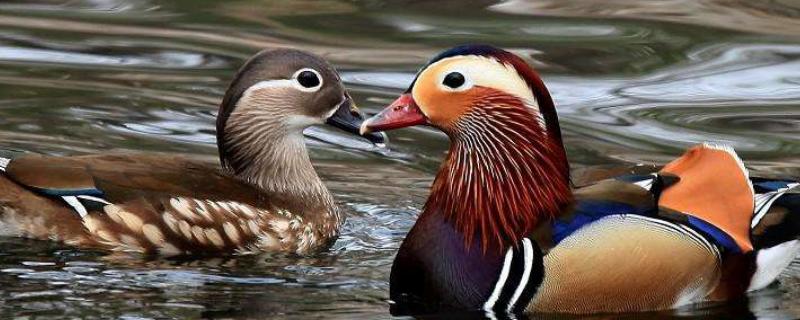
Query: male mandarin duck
[[265, 197], [503, 231]]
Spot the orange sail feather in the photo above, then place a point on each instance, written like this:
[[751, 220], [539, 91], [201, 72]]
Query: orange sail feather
[[714, 187]]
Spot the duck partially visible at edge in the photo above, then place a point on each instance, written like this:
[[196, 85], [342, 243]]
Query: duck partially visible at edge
[[265, 196], [504, 232]]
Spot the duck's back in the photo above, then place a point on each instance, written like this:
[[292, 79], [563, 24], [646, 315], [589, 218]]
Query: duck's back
[[699, 229], [145, 203]]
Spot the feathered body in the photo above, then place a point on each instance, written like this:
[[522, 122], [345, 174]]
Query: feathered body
[[263, 196], [502, 231]]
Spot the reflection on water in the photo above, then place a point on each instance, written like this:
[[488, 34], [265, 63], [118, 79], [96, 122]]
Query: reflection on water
[[633, 83], [770, 17]]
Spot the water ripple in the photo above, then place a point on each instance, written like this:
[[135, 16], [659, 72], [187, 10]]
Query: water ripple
[[83, 76]]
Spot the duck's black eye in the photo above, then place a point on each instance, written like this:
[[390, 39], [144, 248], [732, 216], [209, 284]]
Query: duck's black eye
[[453, 80], [308, 79]]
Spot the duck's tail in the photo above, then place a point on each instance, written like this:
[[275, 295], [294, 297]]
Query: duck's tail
[[775, 229]]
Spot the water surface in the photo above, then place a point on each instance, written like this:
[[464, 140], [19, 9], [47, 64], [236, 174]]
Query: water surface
[[634, 83]]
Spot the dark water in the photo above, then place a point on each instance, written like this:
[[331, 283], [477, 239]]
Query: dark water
[[634, 83]]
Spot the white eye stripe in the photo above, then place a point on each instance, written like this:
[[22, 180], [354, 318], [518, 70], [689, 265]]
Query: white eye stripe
[[485, 72], [285, 83], [300, 87], [280, 83]]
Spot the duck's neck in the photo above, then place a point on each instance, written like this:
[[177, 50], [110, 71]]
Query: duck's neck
[[275, 160], [504, 174]]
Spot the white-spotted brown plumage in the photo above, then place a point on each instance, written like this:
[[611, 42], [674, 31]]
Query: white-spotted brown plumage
[[192, 226], [264, 196]]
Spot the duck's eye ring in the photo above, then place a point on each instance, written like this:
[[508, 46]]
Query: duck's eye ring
[[308, 79], [454, 80]]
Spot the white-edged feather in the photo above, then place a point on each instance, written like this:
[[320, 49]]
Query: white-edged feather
[[764, 202], [76, 204], [771, 262], [498, 287], [4, 163], [735, 156]]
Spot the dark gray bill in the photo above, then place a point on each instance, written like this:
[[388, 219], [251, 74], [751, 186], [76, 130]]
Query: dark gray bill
[[348, 118]]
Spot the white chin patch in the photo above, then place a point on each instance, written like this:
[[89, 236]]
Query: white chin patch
[[301, 121], [330, 113]]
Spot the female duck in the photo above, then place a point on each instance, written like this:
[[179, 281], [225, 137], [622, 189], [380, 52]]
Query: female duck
[[502, 231], [266, 197]]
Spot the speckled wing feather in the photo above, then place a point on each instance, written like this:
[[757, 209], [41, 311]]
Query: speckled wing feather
[[151, 204]]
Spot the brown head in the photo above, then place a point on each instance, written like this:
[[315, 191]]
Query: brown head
[[507, 168], [271, 100]]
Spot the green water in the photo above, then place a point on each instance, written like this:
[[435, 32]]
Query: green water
[[633, 82]]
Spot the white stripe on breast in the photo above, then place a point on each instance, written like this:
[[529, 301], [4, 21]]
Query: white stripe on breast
[[523, 282], [498, 287]]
